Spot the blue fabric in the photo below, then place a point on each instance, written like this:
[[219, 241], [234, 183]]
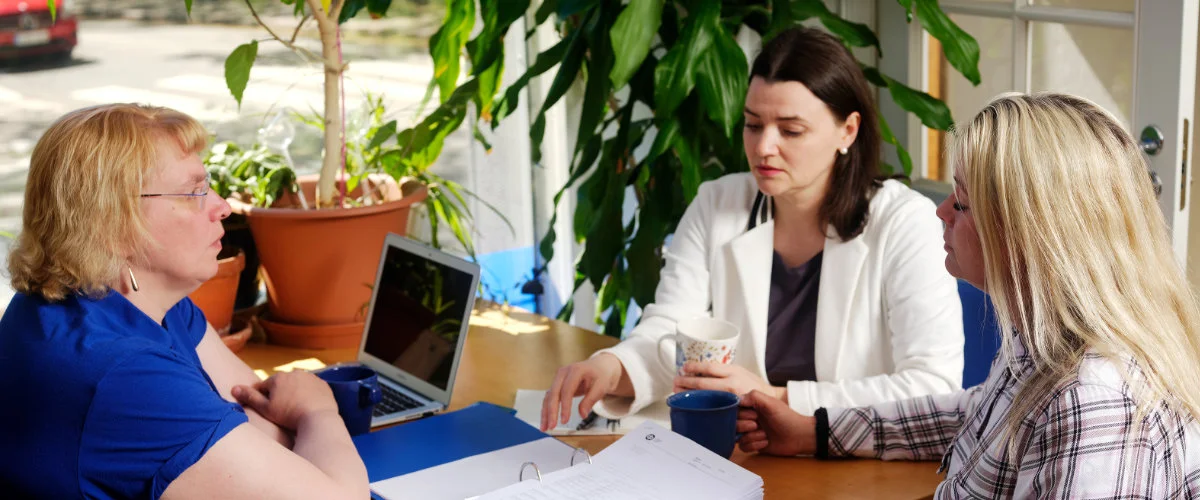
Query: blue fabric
[[99, 401], [980, 332]]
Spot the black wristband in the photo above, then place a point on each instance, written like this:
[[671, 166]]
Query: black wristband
[[822, 417]]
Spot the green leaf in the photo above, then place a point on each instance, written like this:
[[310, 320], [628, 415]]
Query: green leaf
[[689, 160], [350, 9], [597, 91], [631, 37], [933, 112], [643, 254], [886, 135], [237, 69], [961, 49], [674, 77], [422, 143], [487, 49], [542, 63], [378, 8], [447, 43], [568, 71], [543, 13], [604, 241], [186, 3], [489, 84], [907, 4], [853, 34], [567, 8], [667, 134], [382, 134], [722, 78], [478, 133]]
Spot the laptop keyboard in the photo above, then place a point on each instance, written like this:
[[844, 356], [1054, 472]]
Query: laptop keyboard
[[393, 401]]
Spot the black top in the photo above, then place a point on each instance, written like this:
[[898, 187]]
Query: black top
[[792, 321]]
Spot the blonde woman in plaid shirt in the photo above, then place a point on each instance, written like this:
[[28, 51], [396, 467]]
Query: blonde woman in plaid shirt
[[1096, 389]]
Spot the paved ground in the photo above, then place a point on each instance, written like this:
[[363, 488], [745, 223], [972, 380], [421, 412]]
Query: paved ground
[[182, 66]]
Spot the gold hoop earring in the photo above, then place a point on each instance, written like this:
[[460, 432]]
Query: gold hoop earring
[[132, 280]]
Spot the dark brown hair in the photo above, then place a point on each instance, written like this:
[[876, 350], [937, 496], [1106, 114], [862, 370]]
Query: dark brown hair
[[822, 64]]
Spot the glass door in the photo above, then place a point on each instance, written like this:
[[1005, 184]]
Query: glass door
[[1136, 58]]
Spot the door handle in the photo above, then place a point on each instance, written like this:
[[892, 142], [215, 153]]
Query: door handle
[[1152, 140]]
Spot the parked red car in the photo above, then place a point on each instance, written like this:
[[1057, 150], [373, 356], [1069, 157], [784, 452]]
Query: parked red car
[[27, 30]]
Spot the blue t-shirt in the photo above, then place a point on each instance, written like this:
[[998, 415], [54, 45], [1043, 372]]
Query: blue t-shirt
[[99, 401]]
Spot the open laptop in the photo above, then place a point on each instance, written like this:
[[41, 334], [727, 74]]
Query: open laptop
[[416, 326]]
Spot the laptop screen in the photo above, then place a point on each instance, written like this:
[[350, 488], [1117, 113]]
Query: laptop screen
[[418, 315]]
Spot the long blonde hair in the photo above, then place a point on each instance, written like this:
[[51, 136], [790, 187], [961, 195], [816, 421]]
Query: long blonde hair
[[82, 221], [1076, 251]]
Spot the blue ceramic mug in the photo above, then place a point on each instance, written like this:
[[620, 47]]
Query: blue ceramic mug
[[707, 417], [356, 390]]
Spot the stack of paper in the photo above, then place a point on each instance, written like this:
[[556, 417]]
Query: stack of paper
[[478, 474], [529, 409], [649, 463]]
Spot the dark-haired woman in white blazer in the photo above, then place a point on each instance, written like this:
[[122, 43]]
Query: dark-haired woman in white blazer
[[833, 275]]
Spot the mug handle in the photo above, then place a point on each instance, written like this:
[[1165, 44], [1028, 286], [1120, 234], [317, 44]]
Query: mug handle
[[670, 364], [368, 394]]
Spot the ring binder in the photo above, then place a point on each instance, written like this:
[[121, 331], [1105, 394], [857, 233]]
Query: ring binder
[[576, 453], [521, 475]]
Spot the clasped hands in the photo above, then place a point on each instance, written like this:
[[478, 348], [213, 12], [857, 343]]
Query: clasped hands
[[769, 425]]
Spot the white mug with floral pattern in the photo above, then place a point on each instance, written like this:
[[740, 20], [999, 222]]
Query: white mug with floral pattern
[[700, 339]]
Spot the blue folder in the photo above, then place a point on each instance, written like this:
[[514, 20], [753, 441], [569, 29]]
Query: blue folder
[[440, 439]]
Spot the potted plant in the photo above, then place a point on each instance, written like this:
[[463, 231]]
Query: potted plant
[[216, 298], [681, 61], [318, 238], [255, 177]]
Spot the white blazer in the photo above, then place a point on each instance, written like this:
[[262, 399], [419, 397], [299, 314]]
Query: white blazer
[[889, 321]]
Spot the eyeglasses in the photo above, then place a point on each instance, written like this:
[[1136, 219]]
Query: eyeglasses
[[200, 196]]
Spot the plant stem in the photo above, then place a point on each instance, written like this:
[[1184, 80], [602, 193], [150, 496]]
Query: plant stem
[[327, 24]]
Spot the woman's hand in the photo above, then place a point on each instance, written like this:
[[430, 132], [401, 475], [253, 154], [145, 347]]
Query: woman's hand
[[770, 426], [728, 378], [287, 397], [593, 379]]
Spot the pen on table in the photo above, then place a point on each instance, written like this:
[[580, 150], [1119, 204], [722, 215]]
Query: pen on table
[[587, 421]]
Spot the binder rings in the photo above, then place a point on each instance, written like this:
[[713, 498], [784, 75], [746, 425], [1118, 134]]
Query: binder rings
[[649, 462], [458, 455], [440, 439]]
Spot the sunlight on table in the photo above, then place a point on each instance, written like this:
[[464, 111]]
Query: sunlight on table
[[299, 364], [512, 322]]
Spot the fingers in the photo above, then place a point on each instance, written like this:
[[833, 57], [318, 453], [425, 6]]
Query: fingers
[[567, 395], [707, 369], [754, 400], [753, 442], [250, 396], [550, 403], [744, 426], [747, 414], [709, 383], [594, 393]]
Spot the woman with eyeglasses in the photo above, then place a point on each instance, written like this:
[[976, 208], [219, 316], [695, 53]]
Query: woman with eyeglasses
[[114, 384], [1096, 389]]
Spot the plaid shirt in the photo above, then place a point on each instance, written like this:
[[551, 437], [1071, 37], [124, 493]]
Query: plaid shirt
[[1074, 446]]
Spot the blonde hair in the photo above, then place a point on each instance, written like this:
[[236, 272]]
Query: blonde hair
[[1076, 251], [82, 222]]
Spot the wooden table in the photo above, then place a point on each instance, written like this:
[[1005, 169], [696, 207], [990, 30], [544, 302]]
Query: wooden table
[[522, 350]]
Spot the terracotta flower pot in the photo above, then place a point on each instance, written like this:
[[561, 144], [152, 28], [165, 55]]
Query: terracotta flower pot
[[319, 265], [215, 297], [239, 333]]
